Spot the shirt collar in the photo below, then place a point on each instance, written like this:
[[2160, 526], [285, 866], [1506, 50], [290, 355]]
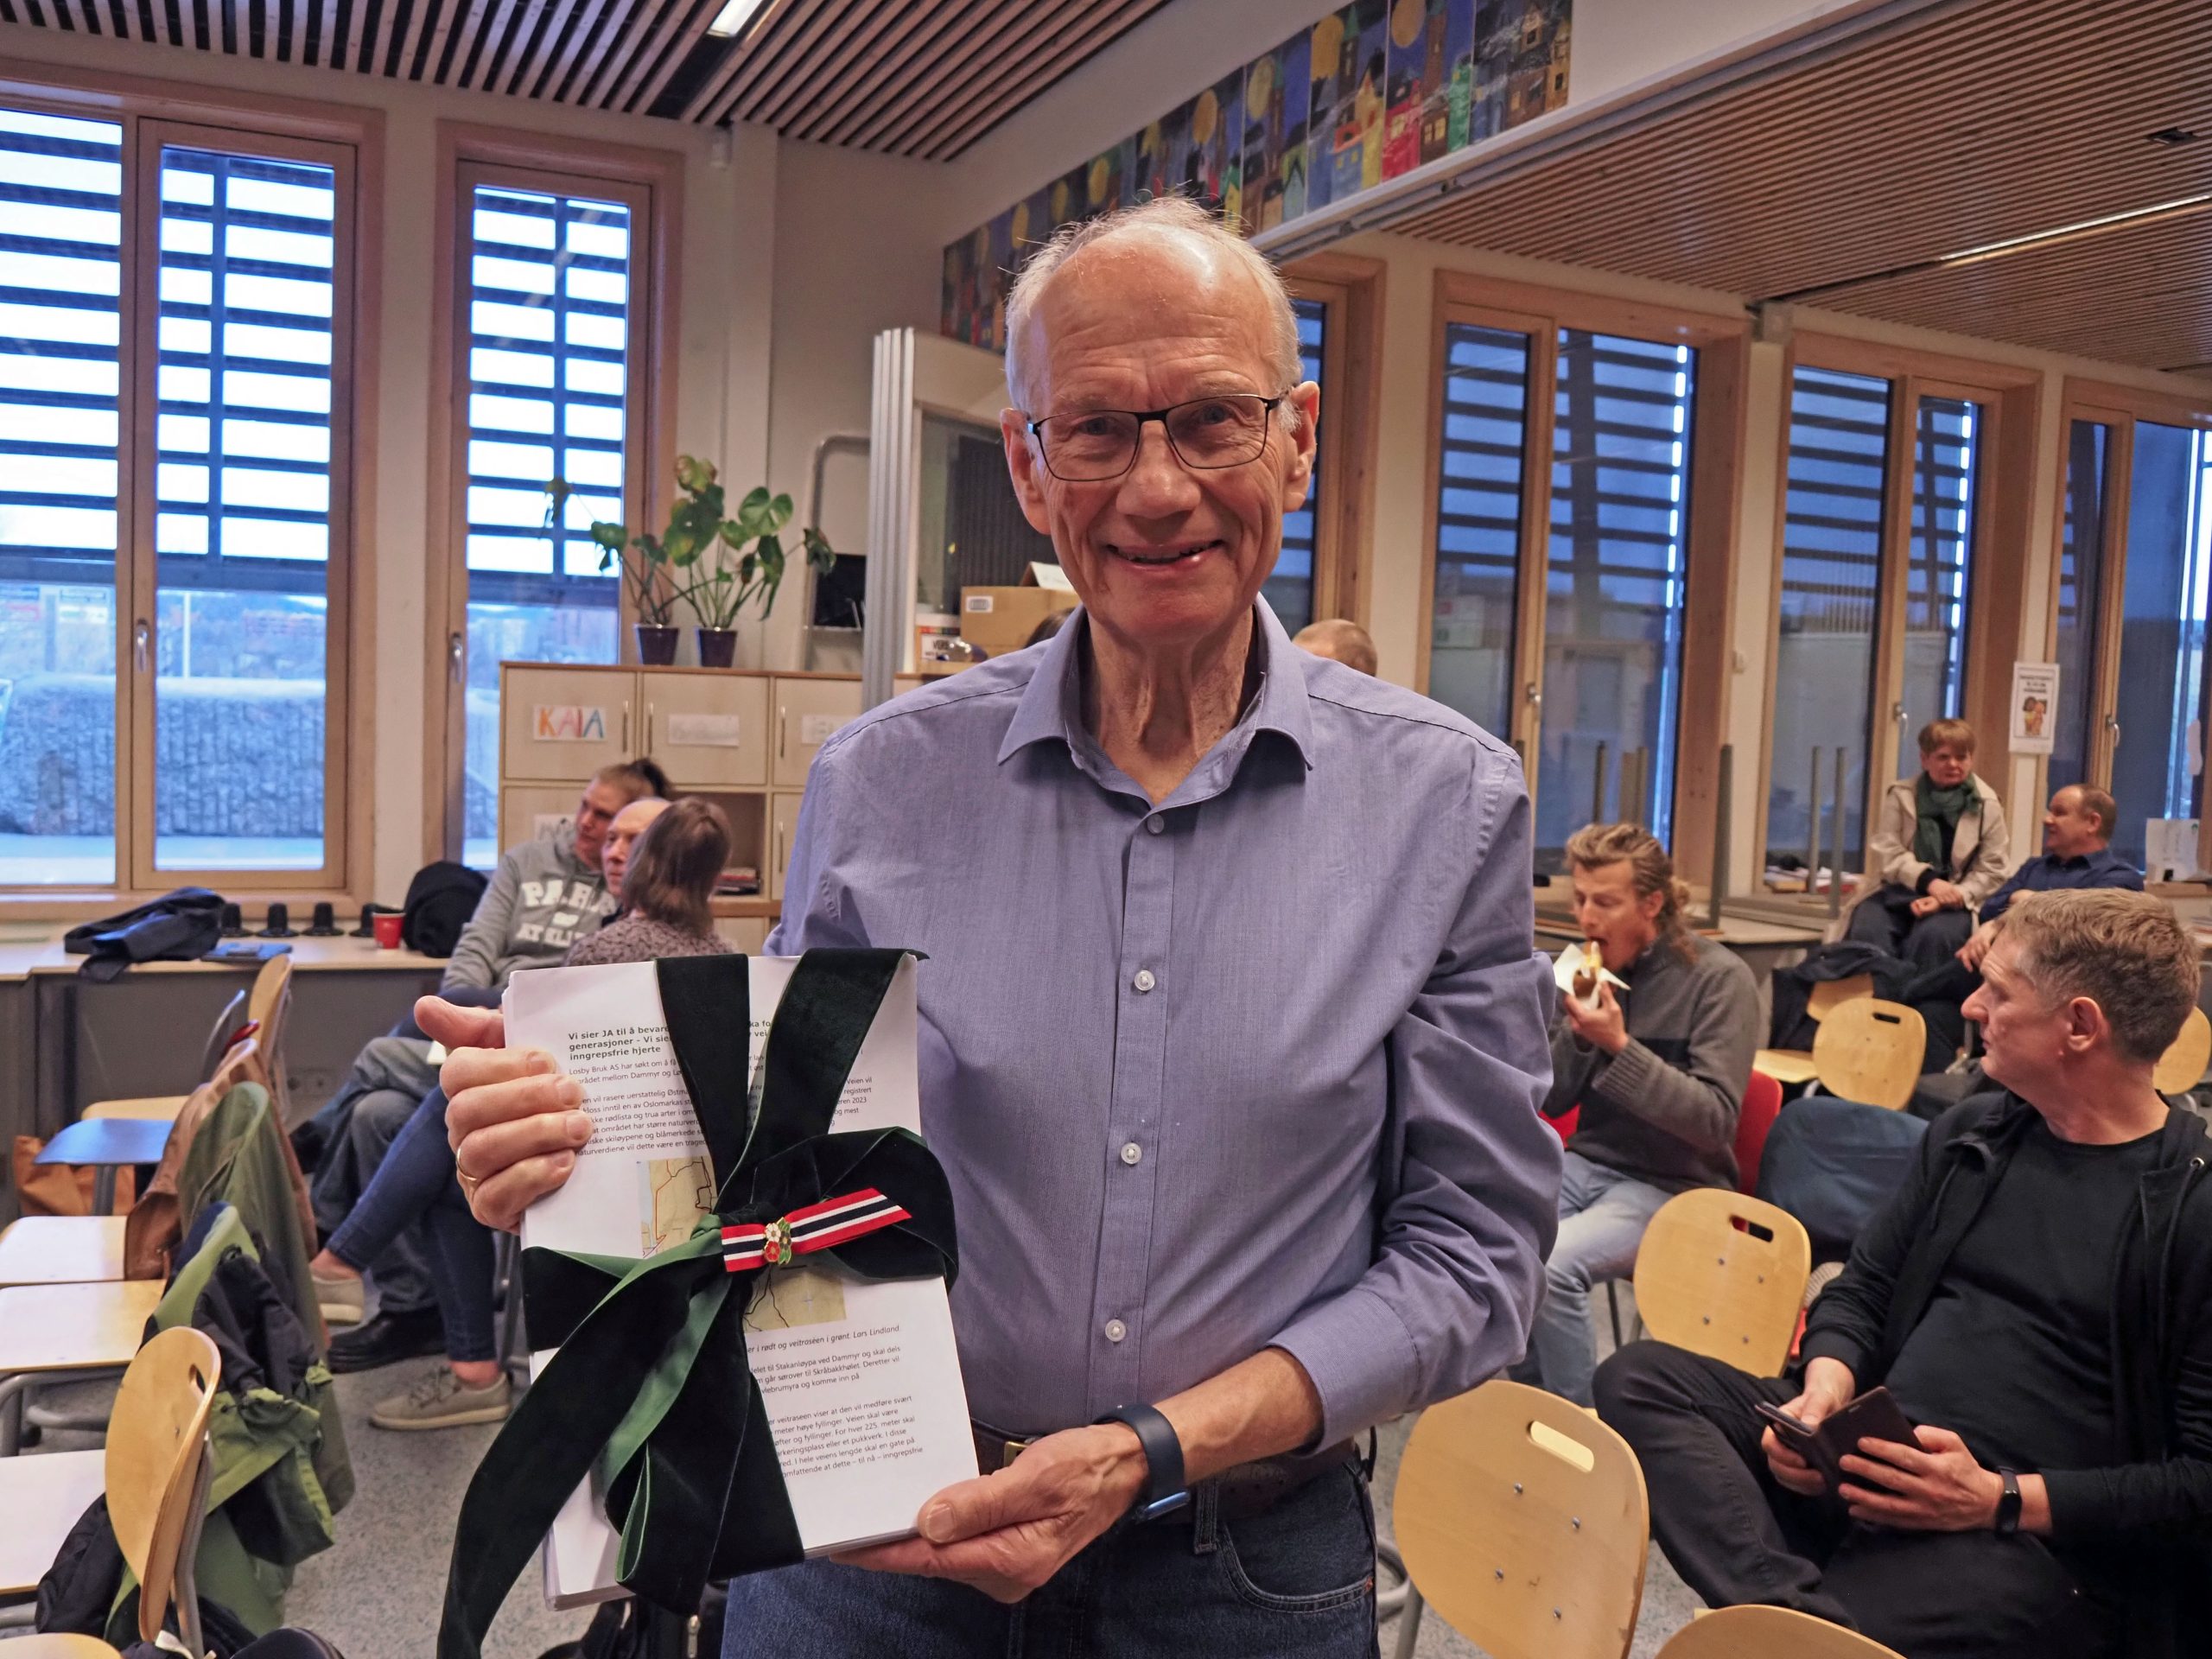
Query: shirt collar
[[1052, 706]]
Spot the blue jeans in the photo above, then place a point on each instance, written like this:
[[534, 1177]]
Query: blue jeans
[[416, 1182], [1295, 1582], [1602, 1216]]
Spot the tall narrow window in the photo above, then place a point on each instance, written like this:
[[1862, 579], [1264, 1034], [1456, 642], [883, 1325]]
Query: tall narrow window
[[61, 382], [1472, 619], [549, 367], [2081, 585], [1939, 561], [242, 503], [1289, 591], [1831, 589], [1613, 608], [2158, 765]]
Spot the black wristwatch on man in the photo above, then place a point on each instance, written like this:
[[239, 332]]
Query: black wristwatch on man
[[2008, 1505], [1165, 1489]]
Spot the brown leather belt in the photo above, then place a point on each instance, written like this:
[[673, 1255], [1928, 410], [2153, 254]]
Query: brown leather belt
[[1247, 1490]]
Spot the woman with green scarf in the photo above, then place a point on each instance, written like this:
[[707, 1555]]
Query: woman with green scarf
[[1940, 848]]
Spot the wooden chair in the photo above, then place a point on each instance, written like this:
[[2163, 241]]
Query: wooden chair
[[154, 1471], [267, 1008], [1524, 1520], [220, 1036], [2181, 1068], [1871, 1052], [1794, 1065], [65, 1333], [1768, 1633], [1723, 1274]]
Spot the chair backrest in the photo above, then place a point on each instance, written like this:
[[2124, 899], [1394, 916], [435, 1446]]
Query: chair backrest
[[219, 1036], [1723, 1275], [1870, 1051], [1762, 1105], [2181, 1068], [270, 1002], [1753, 1632], [1523, 1522], [156, 1438], [269, 988], [1828, 993]]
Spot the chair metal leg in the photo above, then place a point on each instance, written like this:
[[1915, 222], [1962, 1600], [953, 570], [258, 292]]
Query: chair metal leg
[[104, 1189], [1393, 1600], [1614, 1307], [1409, 1622]]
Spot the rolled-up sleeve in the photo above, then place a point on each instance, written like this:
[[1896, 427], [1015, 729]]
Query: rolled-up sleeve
[[1469, 1196]]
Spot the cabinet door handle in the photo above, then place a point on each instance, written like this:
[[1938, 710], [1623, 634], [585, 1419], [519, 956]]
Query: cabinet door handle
[[649, 726], [783, 729], [779, 852], [626, 725]]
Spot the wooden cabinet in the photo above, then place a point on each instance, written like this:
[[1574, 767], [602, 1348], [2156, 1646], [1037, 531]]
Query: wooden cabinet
[[529, 811], [709, 730], [558, 724], [782, 815], [807, 712]]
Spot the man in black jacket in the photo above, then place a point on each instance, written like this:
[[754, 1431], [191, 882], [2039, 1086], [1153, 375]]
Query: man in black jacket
[[2037, 1297]]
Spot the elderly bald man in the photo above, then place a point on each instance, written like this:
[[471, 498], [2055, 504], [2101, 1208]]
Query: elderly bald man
[[1341, 641], [1233, 1036]]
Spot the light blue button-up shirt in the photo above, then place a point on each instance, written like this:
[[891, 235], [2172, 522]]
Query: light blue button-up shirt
[[1258, 1067]]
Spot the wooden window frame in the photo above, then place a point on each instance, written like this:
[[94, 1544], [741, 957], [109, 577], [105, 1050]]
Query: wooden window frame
[[351, 141], [2119, 408], [2012, 395], [1351, 380], [1717, 425], [650, 183]]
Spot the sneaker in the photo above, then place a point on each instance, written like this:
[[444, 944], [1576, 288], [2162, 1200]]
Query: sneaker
[[340, 1298], [387, 1339], [441, 1400]]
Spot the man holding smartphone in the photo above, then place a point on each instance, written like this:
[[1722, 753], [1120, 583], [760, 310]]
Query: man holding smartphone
[[2038, 1298]]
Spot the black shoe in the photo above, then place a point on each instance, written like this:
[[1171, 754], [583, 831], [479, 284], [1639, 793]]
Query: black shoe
[[387, 1339]]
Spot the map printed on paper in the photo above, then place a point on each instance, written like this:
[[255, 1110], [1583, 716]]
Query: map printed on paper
[[673, 1193]]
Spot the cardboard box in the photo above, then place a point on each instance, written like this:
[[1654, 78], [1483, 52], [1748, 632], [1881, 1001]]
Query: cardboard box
[[1000, 619]]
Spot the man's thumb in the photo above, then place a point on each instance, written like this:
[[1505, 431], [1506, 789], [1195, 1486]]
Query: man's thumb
[[459, 1027]]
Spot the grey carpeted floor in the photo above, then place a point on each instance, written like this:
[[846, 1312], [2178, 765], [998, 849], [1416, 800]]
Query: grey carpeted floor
[[376, 1593]]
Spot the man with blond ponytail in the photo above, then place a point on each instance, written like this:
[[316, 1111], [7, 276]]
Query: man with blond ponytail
[[1658, 1071]]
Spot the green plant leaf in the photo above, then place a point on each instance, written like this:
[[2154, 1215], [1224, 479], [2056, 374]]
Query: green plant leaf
[[609, 536], [694, 474]]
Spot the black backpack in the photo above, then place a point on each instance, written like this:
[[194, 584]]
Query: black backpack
[[439, 901]]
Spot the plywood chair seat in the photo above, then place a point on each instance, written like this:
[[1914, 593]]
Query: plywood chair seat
[[1768, 1633], [62, 1644], [1786, 1065], [1870, 1051], [1524, 1520], [1796, 1065], [41, 1497], [1723, 1274], [61, 1249], [74, 1327], [2181, 1068], [162, 1106]]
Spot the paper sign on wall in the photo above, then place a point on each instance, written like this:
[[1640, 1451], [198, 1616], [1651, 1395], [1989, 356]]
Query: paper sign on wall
[[814, 730], [568, 722], [2035, 706], [2170, 848], [980, 603], [704, 731], [1043, 572]]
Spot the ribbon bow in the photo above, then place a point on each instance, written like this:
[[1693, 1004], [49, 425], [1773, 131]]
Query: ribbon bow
[[650, 1384]]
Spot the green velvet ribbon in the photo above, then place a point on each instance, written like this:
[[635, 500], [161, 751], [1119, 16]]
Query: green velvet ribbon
[[650, 1386]]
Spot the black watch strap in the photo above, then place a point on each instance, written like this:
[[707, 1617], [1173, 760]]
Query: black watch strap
[[2008, 1505], [1165, 1489]]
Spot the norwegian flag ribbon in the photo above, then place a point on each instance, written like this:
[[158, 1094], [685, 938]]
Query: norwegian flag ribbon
[[817, 1227]]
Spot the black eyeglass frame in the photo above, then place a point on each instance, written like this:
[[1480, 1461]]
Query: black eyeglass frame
[[1142, 417]]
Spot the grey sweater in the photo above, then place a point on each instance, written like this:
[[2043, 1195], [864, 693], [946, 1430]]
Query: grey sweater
[[543, 899], [1664, 1109]]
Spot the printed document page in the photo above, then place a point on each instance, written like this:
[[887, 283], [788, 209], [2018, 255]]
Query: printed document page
[[861, 1380]]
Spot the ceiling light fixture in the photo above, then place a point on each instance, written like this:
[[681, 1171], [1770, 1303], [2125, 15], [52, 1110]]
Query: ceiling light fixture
[[733, 16]]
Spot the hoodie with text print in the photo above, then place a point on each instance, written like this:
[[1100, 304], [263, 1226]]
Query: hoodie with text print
[[543, 899]]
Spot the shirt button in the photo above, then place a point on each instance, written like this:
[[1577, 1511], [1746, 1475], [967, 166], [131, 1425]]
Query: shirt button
[[1156, 823], [1131, 1153], [1144, 980], [1116, 1330]]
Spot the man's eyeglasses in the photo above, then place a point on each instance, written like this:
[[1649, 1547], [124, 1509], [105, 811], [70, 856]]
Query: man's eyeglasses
[[1206, 434]]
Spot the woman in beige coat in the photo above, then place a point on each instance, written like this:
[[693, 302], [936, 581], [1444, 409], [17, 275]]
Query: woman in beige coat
[[1939, 846]]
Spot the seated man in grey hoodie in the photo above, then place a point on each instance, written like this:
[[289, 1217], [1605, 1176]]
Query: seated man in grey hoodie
[[1657, 1071], [546, 893]]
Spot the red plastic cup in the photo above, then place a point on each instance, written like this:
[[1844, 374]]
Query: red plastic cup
[[387, 928]]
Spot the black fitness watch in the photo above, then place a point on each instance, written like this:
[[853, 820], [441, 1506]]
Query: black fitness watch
[[2008, 1506], [1165, 1489]]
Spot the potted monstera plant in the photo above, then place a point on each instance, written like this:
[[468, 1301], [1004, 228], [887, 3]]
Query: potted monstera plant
[[717, 566]]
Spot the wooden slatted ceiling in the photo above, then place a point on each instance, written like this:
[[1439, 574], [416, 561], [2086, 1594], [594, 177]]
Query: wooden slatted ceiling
[[920, 78], [1988, 122]]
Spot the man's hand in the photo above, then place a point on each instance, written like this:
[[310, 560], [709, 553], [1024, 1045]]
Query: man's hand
[[1007, 1533], [1600, 1024], [510, 1117], [1976, 947], [1829, 1386], [1947, 896], [1935, 1486]]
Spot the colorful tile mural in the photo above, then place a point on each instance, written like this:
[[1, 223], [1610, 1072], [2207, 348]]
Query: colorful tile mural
[[1369, 92]]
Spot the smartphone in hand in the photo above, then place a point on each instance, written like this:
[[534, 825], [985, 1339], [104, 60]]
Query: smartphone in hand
[[1874, 1415]]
